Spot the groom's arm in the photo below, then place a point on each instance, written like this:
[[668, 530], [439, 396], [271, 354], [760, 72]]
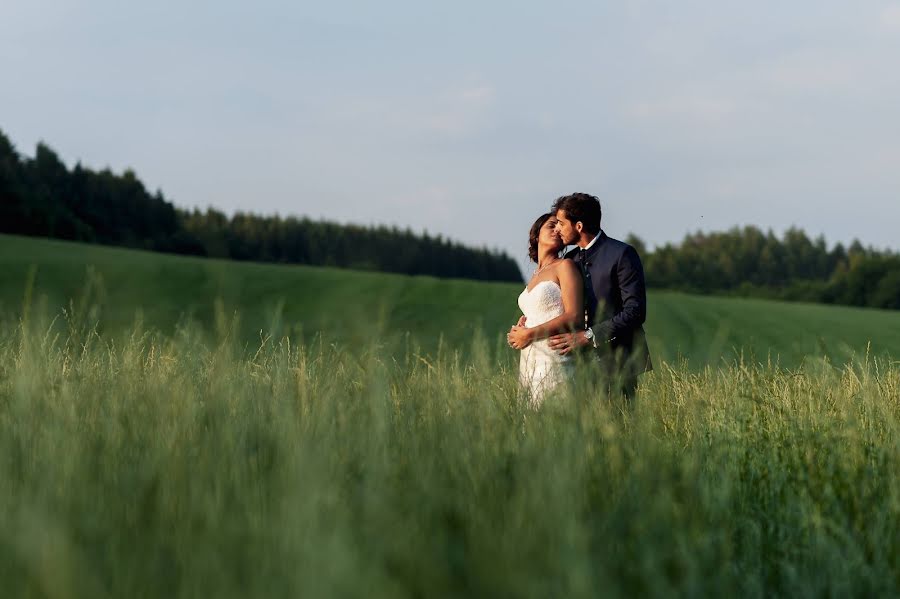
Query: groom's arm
[[630, 273]]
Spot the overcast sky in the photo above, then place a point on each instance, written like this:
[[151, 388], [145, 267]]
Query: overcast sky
[[469, 118]]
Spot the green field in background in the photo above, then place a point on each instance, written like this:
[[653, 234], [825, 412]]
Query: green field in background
[[356, 307]]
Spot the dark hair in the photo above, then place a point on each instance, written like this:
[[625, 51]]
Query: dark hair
[[534, 234], [581, 207]]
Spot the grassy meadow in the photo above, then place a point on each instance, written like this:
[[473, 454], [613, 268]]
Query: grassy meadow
[[153, 444], [117, 287]]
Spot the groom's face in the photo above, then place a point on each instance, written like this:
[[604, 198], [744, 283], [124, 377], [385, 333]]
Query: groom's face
[[568, 231]]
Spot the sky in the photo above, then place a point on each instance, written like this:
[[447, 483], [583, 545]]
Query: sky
[[467, 119]]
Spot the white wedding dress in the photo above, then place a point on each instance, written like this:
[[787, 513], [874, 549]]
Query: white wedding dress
[[540, 368]]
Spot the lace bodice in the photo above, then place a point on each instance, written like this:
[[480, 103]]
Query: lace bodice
[[542, 303]]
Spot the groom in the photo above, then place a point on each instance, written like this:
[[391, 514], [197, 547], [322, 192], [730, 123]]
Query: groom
[[615, 297]]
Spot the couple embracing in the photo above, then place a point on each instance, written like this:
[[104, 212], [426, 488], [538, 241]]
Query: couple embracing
[[583, 310]]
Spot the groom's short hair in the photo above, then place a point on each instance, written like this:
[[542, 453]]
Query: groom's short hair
[[581, 207]]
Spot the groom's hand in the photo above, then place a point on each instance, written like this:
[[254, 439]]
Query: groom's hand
[[567, 342]]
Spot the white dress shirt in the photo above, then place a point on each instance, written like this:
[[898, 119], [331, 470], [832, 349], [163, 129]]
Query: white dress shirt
[[593, 241]]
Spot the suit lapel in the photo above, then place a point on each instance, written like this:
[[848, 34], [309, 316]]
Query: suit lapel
[[592, 251]]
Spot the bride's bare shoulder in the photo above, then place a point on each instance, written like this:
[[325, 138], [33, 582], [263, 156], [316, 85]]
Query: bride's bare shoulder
[[566, 266]]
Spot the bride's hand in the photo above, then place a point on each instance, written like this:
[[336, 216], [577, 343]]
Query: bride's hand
[[519, 337]]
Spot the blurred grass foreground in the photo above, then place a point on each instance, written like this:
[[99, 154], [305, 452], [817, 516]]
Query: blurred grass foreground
[[170, 466]]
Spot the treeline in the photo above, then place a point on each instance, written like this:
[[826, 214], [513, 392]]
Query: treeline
[[40, 196], [303, 241], [746, 261]]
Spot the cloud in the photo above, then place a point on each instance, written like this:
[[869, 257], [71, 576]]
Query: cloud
[[694, 106], [890, 17], [459, 113], [483, 94], [812, 71]]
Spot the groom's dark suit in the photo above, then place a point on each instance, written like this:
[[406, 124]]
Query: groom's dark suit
[[615, 302]]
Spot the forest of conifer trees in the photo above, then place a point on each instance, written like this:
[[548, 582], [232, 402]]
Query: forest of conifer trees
[[41, 197]]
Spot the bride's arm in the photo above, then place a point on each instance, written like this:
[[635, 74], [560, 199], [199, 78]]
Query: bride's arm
[[571, 319]]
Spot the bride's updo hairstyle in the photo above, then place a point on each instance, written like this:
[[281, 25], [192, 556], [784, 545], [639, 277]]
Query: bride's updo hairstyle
[[534, 235]]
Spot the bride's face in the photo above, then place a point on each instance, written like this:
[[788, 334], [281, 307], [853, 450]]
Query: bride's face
[[548, 237]]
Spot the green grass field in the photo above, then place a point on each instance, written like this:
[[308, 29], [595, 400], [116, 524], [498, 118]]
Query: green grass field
[[153, 445], [157, 467], [356, 307]]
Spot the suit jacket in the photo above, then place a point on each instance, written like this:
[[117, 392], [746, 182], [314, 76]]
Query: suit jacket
[[615, 302]]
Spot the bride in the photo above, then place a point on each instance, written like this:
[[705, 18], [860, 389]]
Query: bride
[[551, 303]]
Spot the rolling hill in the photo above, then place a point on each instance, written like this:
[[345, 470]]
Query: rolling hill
[[361, 307]]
